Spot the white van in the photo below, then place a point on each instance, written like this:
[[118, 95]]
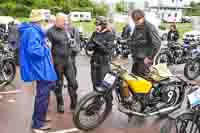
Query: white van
[[81, 16]]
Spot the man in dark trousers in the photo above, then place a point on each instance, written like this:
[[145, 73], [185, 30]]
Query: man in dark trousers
[[145, 43], [61, 51], [74, 36]]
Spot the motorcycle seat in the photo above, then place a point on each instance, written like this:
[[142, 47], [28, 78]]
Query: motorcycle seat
[[160, 72]]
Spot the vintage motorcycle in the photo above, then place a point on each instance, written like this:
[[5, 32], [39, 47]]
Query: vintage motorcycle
[[187, 120], [192, 66], [122, 48], [7, 65], [157, 94], [175, 53]]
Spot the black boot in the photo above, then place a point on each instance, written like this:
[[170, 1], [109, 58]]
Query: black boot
[[60, 104], [73, 102], [73, 97]]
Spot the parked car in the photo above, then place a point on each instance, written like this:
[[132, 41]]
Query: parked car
[[186, 19]]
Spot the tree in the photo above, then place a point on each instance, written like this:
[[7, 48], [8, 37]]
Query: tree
[[22, 8], [120, 7], [195, 9], [101, 9]]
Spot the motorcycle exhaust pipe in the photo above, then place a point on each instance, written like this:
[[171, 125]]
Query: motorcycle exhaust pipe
[[123, 110]]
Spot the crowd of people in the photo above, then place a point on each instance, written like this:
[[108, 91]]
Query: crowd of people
[[48, 48]]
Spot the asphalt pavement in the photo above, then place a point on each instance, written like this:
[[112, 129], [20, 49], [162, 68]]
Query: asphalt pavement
[[16, 107]]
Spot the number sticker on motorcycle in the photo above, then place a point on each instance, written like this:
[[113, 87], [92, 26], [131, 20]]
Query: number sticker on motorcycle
[[194, 98], [110, 79]]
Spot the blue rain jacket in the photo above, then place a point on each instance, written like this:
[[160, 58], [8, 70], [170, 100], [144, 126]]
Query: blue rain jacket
[[35, 57]]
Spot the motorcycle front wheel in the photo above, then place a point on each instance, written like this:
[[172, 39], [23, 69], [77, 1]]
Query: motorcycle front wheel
[[192, 70], [186, 124], [182, 124], [92, 110]]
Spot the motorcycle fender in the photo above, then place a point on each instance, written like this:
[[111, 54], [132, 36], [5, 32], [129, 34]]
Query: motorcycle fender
[[179, 112]]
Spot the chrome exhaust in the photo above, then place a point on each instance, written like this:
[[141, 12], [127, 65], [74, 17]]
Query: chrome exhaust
[[126, 111]]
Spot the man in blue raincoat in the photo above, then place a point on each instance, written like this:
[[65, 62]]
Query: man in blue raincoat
[[36, 65]]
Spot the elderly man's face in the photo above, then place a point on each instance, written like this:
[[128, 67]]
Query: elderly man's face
[[60, 22]]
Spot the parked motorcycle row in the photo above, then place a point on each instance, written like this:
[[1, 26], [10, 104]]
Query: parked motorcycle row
[[174, 53]]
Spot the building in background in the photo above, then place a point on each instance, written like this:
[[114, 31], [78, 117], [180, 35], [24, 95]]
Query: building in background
[[168, 10]]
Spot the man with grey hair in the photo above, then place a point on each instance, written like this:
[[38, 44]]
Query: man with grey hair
[[61, 51]]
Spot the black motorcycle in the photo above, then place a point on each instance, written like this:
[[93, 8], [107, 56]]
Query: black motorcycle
[[122, 48], [7, 65], [192, 66], [175, 53]]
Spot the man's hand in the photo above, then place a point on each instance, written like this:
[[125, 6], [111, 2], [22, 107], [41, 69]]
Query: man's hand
[[148, 61]]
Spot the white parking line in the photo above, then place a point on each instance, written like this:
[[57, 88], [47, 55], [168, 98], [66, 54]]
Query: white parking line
[[66, 131], [10, 92]]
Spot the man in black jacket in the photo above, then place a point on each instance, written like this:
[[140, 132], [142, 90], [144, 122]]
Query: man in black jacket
[[61, 51], [101, 42], [145, 43]]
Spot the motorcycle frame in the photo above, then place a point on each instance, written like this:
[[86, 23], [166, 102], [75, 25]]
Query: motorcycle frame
[[108, 91]]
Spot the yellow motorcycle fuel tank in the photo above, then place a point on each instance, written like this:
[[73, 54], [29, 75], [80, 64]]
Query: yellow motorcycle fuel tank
[[137, 84]]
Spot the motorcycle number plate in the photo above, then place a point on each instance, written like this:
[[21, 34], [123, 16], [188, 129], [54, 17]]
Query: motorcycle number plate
[[110, 79], [194, 98]]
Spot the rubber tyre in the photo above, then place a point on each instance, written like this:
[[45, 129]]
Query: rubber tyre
[[188, 117], [83, 101], [186, 73]]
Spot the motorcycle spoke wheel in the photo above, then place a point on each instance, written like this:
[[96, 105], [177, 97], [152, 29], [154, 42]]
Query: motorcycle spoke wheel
[[91, 111], [185, 124], [193, 69]]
